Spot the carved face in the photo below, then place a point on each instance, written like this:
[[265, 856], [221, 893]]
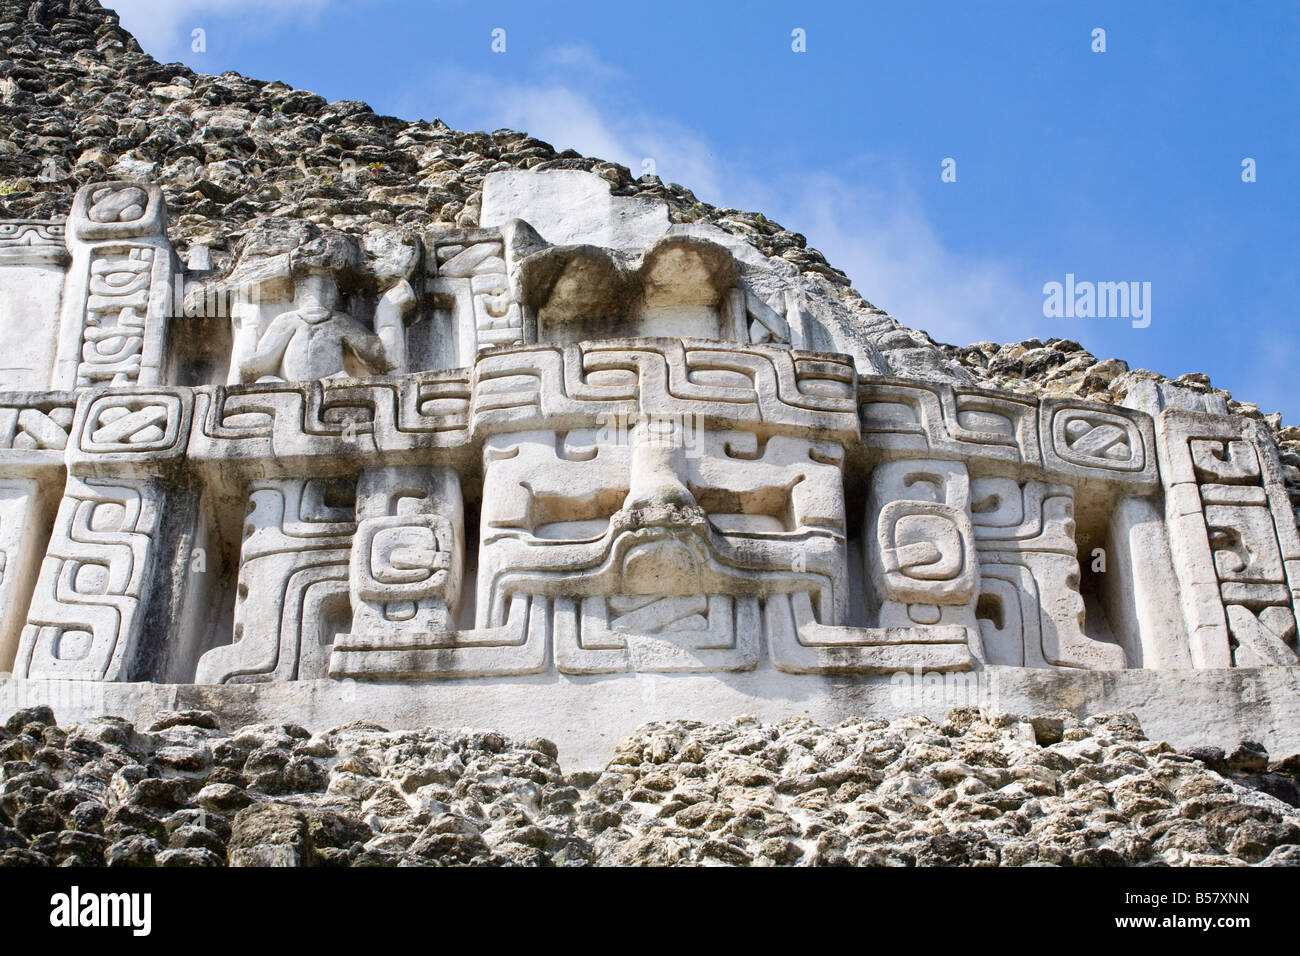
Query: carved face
[[662, 530], [921, 552], [117, 204]]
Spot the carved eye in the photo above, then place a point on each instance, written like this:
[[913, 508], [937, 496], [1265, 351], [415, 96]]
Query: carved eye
[[563, 518], [762, 511], [1224, 539]]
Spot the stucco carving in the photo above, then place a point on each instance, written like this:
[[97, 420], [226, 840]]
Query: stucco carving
[[478, 454]]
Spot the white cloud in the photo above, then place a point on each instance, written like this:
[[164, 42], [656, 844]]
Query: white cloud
[[897, 259], [164, 29], [881, 238], [568, 118], [577, 57]]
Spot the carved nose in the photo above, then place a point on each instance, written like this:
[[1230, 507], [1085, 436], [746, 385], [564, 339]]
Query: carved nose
[[654, 481]]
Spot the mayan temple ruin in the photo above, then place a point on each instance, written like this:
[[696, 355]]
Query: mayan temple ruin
[[311, 418]]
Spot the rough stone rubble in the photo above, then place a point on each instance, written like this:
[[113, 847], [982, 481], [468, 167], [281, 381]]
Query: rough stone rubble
[[976, 789]]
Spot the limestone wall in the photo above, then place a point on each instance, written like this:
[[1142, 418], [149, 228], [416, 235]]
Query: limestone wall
[[575, 441]]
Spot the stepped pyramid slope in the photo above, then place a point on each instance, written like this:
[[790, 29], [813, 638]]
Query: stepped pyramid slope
[[78, 92]]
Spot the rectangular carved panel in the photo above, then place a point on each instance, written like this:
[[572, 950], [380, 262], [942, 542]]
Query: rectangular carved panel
[[293, 583], [1029, 572], [86, 619], [1234, 539], [118, 294]]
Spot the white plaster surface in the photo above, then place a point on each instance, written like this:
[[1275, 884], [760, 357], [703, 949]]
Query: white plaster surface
[[588, 716]]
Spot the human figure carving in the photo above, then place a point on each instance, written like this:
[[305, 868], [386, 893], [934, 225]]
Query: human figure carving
[[307, 343]]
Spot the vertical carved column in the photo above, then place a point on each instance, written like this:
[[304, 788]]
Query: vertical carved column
[[407, 554], [920, 544], [114, 586], [118, 292], [293, 582], [407, 566], [1234, 539], [473, 271], [921, 576], [86, 620]]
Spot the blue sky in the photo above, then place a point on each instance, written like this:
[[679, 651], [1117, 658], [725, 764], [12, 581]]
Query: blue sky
[[1115, 166]]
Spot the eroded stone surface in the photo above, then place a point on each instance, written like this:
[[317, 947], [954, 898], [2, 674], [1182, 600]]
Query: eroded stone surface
[[976, 789]]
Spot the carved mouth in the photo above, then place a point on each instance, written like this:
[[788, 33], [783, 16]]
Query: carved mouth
[[666, 633], [650, 614], [684, 632]]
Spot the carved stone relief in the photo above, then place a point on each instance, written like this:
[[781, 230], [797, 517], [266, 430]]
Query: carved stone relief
[[478, 453], [119, 289]]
